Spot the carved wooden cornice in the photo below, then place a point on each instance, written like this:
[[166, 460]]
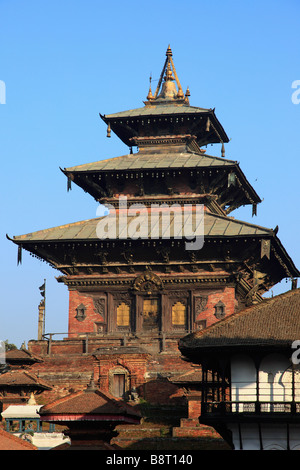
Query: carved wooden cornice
[[136, 283]]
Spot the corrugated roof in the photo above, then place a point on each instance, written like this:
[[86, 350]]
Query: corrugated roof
[[153, 161]]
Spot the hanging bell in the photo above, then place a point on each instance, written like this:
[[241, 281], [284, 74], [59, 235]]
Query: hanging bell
[[19, 254], [108, 130], [223, 150], [231, 179], [207, 125]]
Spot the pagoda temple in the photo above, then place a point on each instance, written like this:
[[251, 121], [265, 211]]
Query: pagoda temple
[[138, 286]]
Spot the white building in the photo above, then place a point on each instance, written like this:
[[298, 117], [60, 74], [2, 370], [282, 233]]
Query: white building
[[24, 421], [251, 374]]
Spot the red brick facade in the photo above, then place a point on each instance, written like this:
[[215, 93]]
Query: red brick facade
[[84, 317]]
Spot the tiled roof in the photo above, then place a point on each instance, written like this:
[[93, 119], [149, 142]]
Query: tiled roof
[[214, 225], [10, 442], [154, 161], [275, 322], [19, 355], [192, 376], [157, 110], [17, 378], [93, 402]]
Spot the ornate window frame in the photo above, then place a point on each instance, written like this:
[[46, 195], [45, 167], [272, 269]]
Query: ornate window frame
[[220, 310], [80, 312]]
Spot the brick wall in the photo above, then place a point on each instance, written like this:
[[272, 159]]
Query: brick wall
[[226, 296], [87, 325]]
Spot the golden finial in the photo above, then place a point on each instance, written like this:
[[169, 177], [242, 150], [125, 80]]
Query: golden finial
[[180, 93], [150, 96], [169, 75], [187, 94], [169, 51]]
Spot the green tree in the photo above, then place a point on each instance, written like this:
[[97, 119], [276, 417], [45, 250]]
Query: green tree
[[9, 346]]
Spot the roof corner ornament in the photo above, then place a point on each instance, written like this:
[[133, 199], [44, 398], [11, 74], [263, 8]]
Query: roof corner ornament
[[150, 96], [187, 94]]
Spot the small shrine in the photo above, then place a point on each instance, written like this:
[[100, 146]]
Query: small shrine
[[91, 417]]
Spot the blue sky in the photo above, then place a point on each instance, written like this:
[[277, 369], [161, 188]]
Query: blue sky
[[64, 62]]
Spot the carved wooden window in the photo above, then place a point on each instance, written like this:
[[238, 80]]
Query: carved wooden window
[[179, 314], [123, 314]]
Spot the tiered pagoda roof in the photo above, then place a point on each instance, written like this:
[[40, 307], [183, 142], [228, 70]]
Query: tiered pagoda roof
[[170, 135], [167, 112], [209, 175], [170, 166]]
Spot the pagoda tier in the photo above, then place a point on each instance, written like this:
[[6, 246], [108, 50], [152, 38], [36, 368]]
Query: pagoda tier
[[167, 112], [161, 173], [170, 162], [231, 248]]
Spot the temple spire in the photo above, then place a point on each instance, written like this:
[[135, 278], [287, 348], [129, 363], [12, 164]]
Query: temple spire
[[166, 90]]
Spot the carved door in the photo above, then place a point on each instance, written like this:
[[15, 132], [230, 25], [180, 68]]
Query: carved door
[[119, 385], [151, 314]]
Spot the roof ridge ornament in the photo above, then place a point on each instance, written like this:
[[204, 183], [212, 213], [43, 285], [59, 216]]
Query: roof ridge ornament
[[166, 90]]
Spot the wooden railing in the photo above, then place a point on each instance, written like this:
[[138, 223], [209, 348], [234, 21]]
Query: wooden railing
[[249, 407]]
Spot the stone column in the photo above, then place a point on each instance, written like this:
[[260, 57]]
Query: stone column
[[41, 320]]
